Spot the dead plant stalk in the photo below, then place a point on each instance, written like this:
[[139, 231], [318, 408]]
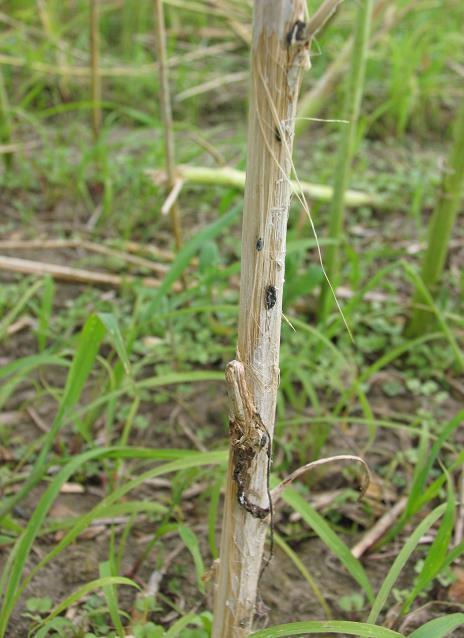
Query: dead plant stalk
[[279, 53], [166, 114]]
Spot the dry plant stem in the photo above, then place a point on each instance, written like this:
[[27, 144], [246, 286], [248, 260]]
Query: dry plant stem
[[278, 56], [459, 528], [308, 467], [227, 176], [322, 16], [95, 69], [141, 70], [9, 149], [313, 101], [166, 114], [48, 26], [212, 85], [47, 244], [25, 322], [65, 273], [379, 529], [90, 246]]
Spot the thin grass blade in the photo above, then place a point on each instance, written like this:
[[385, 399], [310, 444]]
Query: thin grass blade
[[349, 628], [329, 538], [401, 561], [439, 627]]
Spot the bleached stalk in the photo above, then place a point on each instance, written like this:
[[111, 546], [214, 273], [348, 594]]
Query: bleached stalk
[[279, 53], [313, 101], [227, 176], [166, 114]]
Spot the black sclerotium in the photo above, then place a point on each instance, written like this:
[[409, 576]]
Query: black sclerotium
[[277, 135], [270, 297], [296, 33], [259, 244]]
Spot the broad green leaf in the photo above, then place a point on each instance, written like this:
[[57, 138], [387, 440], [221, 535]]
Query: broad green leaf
[[439, 627], [89, 343], [329, 538]]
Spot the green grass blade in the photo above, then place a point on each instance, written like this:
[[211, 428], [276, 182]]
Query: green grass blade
[[179, 625], [346, 151], [434, 488], [185, 256], [27, 364], [440, 228], [191, 542], [439, 627], [89, 344], [436, 555], [94, 585], [401, 560], [112, 328], [172, 378], [56, 624], [131, 508], [285, 547], [111, 598], [9, 585], [329, 538], [423, 291], [19, 305], [20, 368], [384, 360], [361, 630], [453, 555], [45, 312], [415, 499]]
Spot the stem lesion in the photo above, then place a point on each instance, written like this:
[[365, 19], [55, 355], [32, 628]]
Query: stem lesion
[[249, 438]]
